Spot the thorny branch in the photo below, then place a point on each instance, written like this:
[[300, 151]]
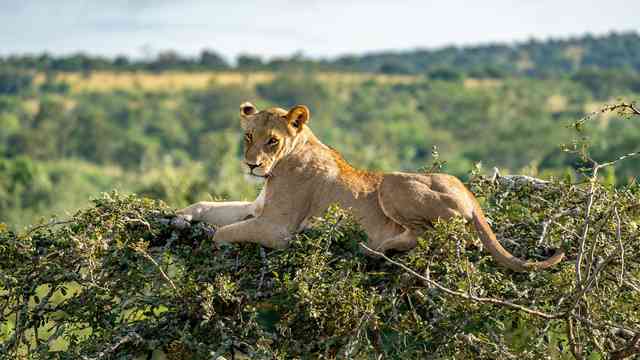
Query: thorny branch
[[568, 315], [131, 337], [632, 348], [460, 294], [141, 250]]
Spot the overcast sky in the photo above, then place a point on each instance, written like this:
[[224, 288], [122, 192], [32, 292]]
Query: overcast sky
[[278, 27]]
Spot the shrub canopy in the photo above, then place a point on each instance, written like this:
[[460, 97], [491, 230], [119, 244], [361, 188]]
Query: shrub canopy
[[117, 280]]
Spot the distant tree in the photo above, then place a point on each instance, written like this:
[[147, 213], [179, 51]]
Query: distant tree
[[168, 60], [212, 60], [52, 84], [78, 62], [606, 83], [533, 58], [23, 183], [247, 61], [121, 62], [396, 66], [444, 73], [14, 81], [298, 88], [43, 61], [488, 71]]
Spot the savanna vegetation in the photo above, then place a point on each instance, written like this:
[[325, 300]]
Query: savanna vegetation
[[116, 280]]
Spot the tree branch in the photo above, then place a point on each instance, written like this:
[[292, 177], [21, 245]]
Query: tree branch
[[463, 295], [632, 348]]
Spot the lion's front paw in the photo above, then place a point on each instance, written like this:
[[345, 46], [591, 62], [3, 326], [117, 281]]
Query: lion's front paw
[[181, 221]]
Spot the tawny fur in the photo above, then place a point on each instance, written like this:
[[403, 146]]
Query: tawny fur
[[304, 177]]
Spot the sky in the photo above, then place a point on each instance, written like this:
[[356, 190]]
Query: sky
[[141, 28]]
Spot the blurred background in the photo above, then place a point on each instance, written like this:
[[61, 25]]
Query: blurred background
[[143, 96]]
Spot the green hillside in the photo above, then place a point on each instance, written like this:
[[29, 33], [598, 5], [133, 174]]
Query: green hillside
[[175, 136], [112, 276]]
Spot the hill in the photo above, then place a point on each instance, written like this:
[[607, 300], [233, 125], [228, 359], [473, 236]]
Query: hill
[[537, 58], [534, 58]]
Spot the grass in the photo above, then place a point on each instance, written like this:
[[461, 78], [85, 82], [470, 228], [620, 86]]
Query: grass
[[104, 81]]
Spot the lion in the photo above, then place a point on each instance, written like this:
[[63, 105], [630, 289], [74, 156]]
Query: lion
[[303, 177]]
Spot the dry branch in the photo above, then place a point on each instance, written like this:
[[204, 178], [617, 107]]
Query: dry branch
[[464, 295]]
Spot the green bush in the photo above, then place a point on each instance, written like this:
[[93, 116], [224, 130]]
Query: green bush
[[118, 281], [14, 81]]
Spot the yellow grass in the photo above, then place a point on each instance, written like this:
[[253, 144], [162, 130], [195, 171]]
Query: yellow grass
[[166, 81], [556, 103], [31, 106], [471, 83], [181, 80]]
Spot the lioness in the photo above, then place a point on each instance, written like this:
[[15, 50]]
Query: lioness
[[304, 176]]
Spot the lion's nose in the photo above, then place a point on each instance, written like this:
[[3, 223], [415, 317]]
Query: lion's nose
[[253, 166]]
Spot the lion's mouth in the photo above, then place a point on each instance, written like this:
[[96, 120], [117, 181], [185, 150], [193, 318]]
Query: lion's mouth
[[265, 176]]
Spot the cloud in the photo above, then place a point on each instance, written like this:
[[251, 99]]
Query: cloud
[[278, 27]]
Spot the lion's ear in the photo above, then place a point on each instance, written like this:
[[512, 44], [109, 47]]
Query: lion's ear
[[247, 109], [298, 116]]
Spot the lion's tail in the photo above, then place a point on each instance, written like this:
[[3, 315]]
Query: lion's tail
[[504, 257]]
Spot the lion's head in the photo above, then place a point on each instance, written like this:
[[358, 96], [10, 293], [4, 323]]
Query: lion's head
[[270, 135]]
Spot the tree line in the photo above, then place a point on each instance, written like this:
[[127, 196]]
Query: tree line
[[532, 58]]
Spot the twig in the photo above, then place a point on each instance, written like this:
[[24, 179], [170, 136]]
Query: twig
[[130, 337], [548, 324], [605, 325], [263, 258], [547, 223], [623, 106], [583, 288], [625, 156], [576, 349], [619, 238], [49, 224], [632, 285], [620, 106], [585, 229], [140, 250], [632, 348], [594, 338], [140, 221]]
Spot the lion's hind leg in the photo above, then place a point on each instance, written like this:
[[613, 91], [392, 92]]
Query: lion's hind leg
[[410, 201], [416, 200], [403, 242]]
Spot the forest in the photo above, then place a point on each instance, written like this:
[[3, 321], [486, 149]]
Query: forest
[[96, 154]]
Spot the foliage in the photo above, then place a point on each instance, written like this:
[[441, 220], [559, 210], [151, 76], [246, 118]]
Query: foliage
[[182, 144], [14, 81], [117, 280]]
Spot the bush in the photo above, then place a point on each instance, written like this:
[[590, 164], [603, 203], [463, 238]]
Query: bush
[[14, 81], [445, 74], [118, 281]]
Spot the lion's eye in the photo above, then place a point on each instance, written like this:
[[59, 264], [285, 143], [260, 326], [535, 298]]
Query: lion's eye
[[248, 137], [272, 141]]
